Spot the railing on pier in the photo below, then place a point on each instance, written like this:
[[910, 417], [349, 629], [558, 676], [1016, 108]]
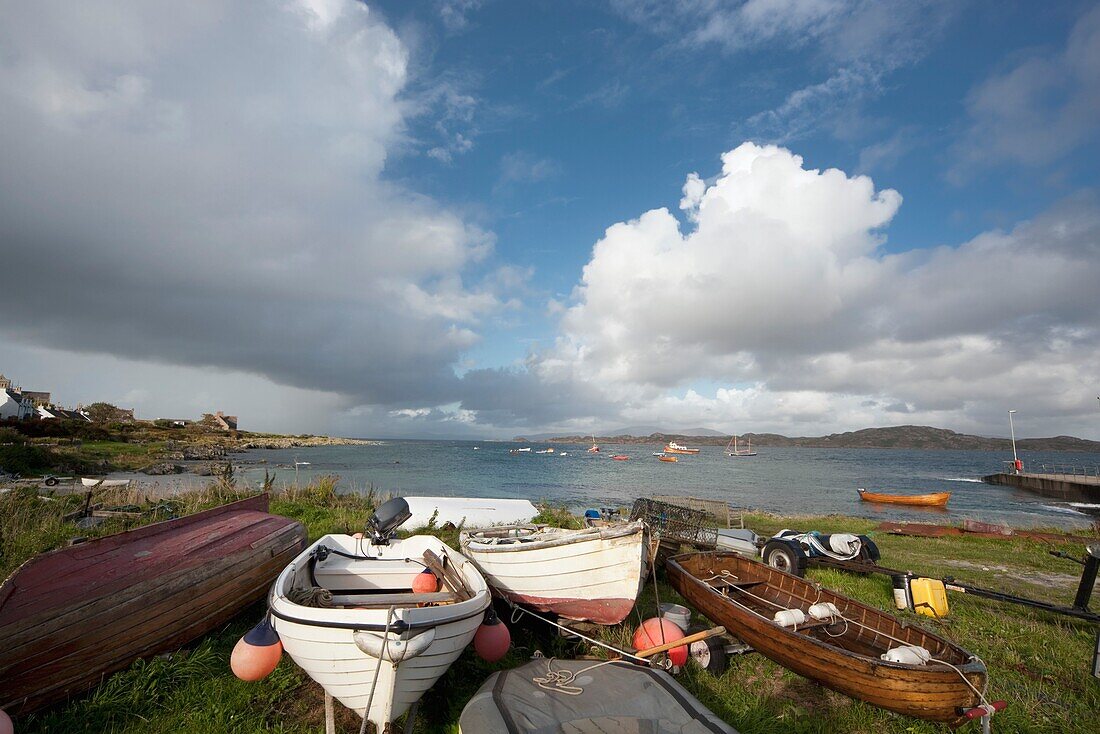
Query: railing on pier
[[1066, 470]]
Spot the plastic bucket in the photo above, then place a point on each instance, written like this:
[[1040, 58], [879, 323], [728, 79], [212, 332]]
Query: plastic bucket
[[678, 614]]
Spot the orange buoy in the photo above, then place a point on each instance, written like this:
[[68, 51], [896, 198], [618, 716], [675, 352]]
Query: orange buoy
[[492, 639], [6, 727], [658, 631], [256, 654], [425, 582]]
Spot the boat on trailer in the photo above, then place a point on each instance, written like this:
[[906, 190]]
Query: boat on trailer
[[593, 574], [842, 644], [345, 612], [72, 616], [103, 483], [932, 499]]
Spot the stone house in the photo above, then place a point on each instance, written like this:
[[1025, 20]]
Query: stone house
[[220, 421]]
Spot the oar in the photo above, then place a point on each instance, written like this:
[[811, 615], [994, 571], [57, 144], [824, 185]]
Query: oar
[[651, 651]]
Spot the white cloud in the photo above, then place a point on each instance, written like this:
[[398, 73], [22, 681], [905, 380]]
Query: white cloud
[[782, 295], [1039, 110]]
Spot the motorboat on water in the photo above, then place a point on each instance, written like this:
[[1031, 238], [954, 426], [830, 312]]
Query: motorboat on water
[[674, 448], [593, 574], [345, 612]]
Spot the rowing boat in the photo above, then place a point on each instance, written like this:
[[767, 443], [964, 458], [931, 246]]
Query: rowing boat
[[72, 616], [934, 499], [592, 575], [346, 614], [840, 643]]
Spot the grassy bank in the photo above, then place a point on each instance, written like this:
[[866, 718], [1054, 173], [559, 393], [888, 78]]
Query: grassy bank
[[1037, 661]]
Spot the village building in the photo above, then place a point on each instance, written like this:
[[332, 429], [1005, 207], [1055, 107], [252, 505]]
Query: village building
[[220, 421], [50, 412], [14, 405], [38, 399], [5, 383]]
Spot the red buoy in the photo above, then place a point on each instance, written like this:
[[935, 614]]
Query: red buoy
[[425, 582], [257, 653], [6, 727], [492, 639], [657, 631]]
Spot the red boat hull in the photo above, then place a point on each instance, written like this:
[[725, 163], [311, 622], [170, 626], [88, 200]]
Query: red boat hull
[[72, 616], [600, 611]]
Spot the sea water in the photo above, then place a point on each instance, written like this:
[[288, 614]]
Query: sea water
[[800, 481]]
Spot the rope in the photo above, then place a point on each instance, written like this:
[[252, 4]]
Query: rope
[[312, 597], [517, 614], [377, 669], [561, 681]]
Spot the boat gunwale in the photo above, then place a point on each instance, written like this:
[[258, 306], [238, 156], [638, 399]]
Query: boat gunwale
[[568, 537]]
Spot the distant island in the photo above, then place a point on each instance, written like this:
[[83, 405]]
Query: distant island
[[893, 437]]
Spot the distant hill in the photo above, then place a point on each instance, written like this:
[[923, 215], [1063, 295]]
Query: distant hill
[[634, 431], [894, 437]]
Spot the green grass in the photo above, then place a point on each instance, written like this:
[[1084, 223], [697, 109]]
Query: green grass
[[1038, 661]]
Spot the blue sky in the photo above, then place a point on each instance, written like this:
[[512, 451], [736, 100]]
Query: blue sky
[[444, 218]]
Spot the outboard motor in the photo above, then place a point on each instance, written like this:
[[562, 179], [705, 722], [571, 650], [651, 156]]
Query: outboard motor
[[386, 519]]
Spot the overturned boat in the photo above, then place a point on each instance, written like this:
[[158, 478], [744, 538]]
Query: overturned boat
[[346, 613], [586, 697], [72, 616], [840, 643], [593, 574]]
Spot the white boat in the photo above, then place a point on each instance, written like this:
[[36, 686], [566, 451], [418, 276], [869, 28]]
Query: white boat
[[524, 450], [545, 451], [471, 512], [732, 449], [103, 483], [674, 448], [593, 574], [380, 646]]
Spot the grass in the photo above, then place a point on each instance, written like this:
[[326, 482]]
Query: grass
[[1038, 661]]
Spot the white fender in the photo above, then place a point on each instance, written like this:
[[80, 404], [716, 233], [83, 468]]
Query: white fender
[[396, 650]]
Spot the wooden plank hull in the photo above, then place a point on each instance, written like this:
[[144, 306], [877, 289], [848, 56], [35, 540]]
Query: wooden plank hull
[[588, 575], [843, 657], [70, 617], [933, 499]]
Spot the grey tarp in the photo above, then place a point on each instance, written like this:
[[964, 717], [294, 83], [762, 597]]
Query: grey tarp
[[617, 698]]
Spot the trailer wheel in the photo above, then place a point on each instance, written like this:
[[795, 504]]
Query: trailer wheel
[[708, 654], [785, 556], [51, 481]]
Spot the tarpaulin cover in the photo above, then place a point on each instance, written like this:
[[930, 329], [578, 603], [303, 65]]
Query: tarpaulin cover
[[617, 698]]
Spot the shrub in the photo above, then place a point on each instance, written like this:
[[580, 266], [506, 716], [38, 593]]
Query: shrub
[[25, 460]]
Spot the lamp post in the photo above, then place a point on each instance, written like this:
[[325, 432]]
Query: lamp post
[[1012, 431]]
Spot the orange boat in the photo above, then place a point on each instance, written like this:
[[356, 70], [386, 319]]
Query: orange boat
[[621, 457], [674, 448], [934, 499], [668, 458]]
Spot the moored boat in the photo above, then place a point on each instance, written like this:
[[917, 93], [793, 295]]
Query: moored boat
[[345, 612], [668, 458], [620, 457], [733, 449], [933, 499], [71, 616], [836, 641], [674, 448], [593, 574]]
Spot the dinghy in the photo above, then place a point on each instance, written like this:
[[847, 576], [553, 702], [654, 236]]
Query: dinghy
[[842, 644], [585, 696], [933, 499], [103, 483], [346, 614], [471, 512], [592, 575], [72, 616]]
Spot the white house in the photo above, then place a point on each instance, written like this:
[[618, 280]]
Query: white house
[[14, 405]]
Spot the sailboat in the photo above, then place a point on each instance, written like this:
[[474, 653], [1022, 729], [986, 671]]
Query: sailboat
[[595, 447], [732, 449]]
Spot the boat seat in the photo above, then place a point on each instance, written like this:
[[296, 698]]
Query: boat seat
[[727, 584], [405, 599]]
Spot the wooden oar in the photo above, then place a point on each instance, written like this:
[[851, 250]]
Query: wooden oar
[[448, 573], [651, 651]]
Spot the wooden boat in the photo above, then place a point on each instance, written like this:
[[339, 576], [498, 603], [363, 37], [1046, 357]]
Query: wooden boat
[[934, 499], [593, 574], [379, 646], [734, 450], [621, 457], [668, 458], [72, 616], [841, 652], [674, 448]]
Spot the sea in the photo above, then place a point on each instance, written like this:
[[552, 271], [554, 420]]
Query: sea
[[788, 481]]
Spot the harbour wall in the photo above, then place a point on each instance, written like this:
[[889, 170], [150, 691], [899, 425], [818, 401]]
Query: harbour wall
[[1060, 486]]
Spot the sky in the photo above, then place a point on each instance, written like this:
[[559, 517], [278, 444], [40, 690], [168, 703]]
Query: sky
[[478, 218]]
